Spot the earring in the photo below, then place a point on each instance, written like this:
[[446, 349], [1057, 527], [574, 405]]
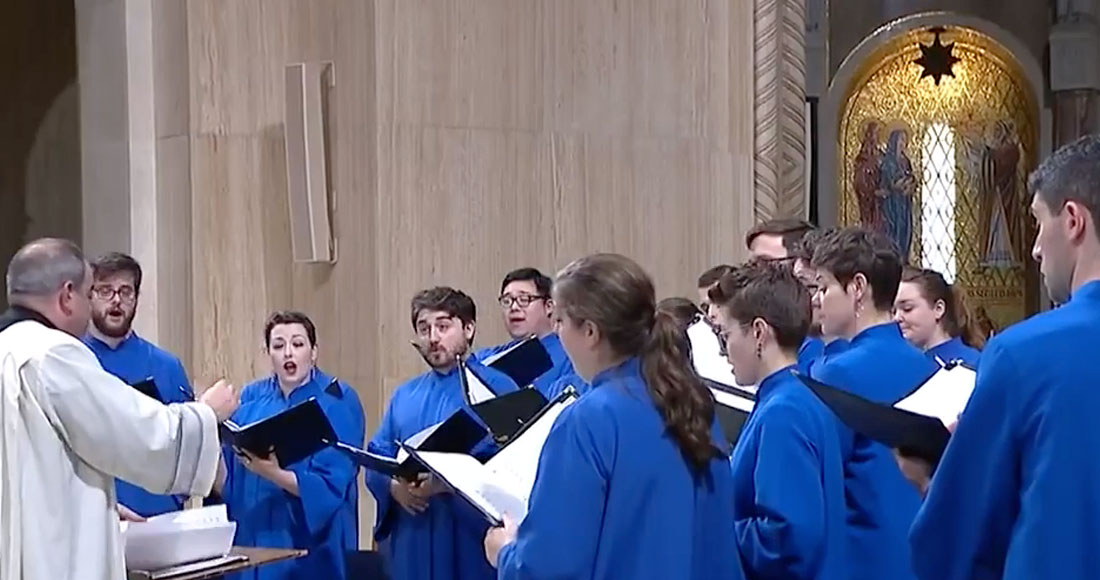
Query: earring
[[759, 350]]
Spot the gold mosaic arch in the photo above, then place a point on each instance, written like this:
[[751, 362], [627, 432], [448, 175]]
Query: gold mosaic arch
[[954, 159]]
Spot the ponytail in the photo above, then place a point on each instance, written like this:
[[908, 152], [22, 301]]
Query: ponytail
[[680, 395], [956, 321], [967, 328]]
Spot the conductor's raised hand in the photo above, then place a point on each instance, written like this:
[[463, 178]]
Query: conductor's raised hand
[[223, 397]]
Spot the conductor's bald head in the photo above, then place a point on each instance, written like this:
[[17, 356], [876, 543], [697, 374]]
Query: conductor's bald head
[[51, 276]]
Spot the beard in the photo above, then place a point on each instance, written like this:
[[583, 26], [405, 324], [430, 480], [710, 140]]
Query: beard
[[440, 358], [103, 324]]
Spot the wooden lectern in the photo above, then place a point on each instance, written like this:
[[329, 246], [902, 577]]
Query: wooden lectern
[[238, 559]]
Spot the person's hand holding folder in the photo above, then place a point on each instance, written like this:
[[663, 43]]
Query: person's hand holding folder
[[414, 495], [497, 538], [918, 471]]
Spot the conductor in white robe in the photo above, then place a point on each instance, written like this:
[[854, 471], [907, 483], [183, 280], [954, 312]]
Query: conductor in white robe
[[68, 429]]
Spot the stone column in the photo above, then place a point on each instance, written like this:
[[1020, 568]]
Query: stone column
[[1075, 74], [779, 73], [135, 152]]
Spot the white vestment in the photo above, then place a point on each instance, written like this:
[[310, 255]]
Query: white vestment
[[67, 429]]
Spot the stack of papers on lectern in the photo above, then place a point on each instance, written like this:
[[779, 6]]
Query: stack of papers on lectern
[[502, 485], [178, 538]]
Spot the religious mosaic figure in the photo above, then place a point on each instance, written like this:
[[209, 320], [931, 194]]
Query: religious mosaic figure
[[866, 178], [896, 188], [1001, 208]]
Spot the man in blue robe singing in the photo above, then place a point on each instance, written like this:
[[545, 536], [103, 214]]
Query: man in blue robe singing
[[121, 352], [1017, 493], [527, 310], [425, 532]]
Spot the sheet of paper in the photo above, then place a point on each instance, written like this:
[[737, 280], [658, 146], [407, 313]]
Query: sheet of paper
[[468, 476], [519, 460], [731, 400], [415, 441], [706, 354], [178, 537], [943, 396], [478, 392]]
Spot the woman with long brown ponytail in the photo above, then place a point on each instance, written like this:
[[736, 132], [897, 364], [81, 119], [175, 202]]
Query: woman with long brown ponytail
[[933, 316], [632, 481]]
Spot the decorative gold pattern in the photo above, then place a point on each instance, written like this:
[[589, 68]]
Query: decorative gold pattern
[[993, 136], [779, 66]]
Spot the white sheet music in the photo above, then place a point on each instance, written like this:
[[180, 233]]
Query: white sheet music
[[503, 484], [943, 396], [416, 440], [730, 400], [178, 537], [478, 392], [706, 354]]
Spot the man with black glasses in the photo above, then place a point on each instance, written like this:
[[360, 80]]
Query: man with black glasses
[[116, 284]]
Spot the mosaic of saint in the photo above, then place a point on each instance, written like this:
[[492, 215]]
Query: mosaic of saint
[[941, 168]]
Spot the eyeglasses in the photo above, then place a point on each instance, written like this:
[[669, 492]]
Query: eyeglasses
[[125, 293], [523, 300]]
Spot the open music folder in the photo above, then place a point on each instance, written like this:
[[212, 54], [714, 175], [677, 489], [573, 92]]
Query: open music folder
[[502, 485], [523, 362], [505, 414], [916, 425], [295, 433], [732, 408], [459, 433]]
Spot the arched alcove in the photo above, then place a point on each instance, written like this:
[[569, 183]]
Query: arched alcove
[[941, 167]]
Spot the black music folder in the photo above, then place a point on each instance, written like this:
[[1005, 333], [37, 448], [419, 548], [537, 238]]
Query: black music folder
[[917, 425], [459, 433], [506, 415], [732, 408], [295, 433], [148, 387], [523, 362], [502, 484]]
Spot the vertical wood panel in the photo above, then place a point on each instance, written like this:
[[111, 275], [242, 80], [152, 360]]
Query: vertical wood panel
[[468, 137]]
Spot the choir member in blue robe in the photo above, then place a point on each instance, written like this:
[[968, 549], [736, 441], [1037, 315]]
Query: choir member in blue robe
[[632, 481], [121, 352], [934, 317], [313, 503], [425, 532], [858, 273], [1016, 495], [789, 508], [816, 346], [527, 310]]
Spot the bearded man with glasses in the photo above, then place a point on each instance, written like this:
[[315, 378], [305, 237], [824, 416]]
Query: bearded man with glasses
[[116, 284]]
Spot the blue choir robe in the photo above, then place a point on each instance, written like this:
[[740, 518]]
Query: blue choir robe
[[323, 518], [815, 350], [134, 360], [445, 542], [788, 480], [812, 349], [880, 365], [571, 380], [955, 349], [1016, 495], [562, 366], [614, 497]]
